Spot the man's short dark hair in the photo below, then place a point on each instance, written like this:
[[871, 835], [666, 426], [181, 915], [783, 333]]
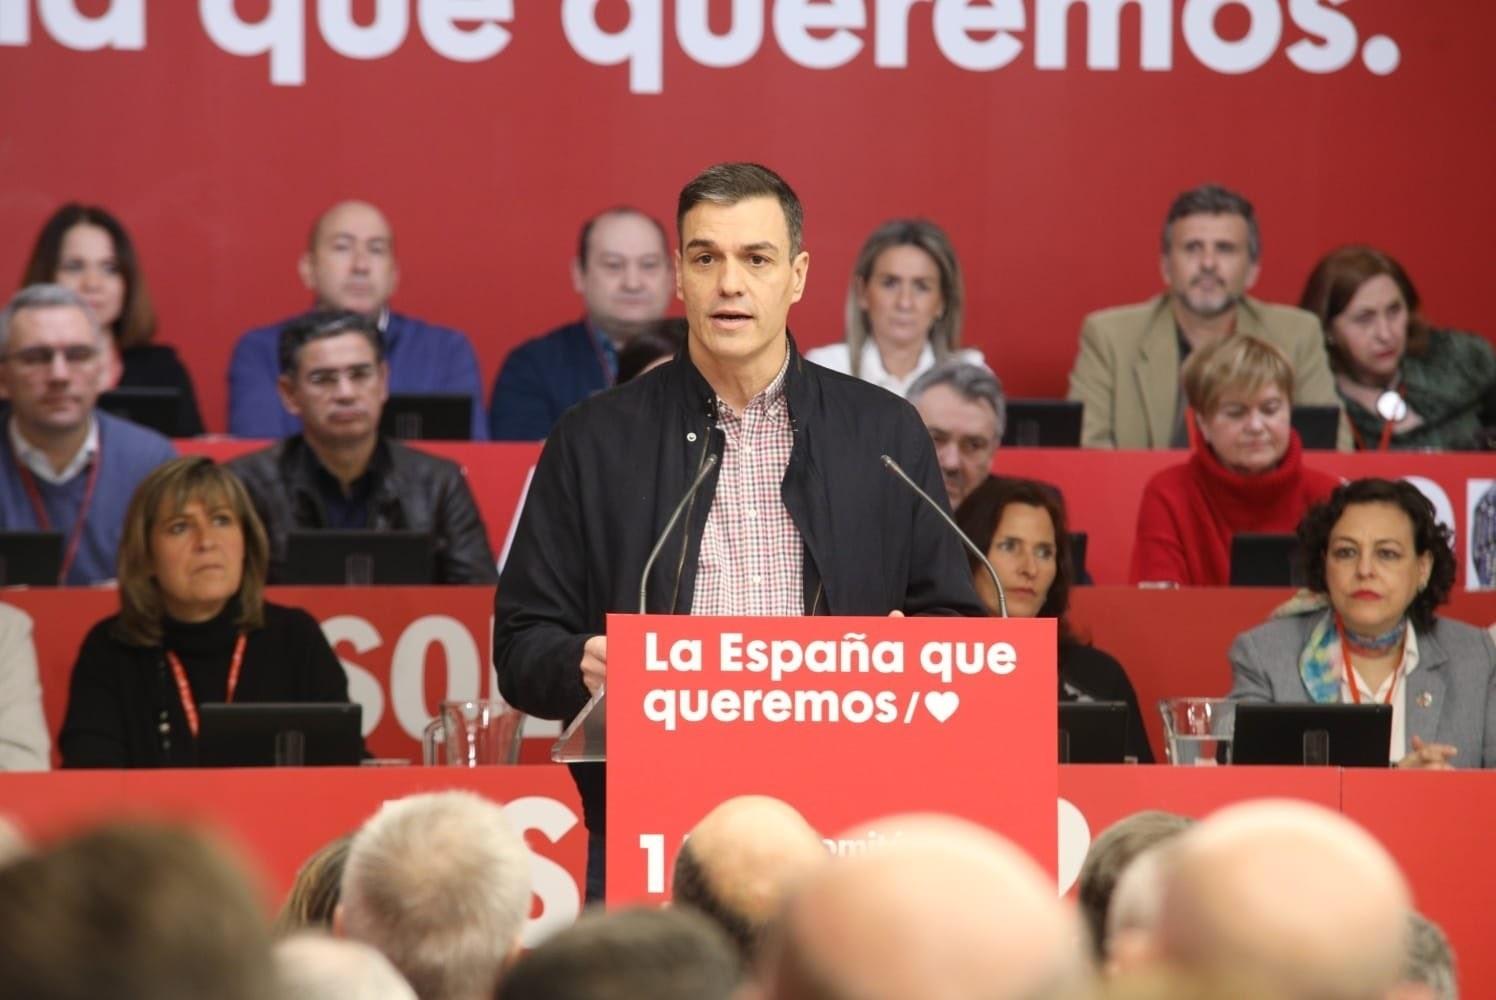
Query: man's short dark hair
[[664, 954], [321, 324], [1111, 852], [693, 889], [135, 912], [730, 183], [584, 238], [1212, 199]]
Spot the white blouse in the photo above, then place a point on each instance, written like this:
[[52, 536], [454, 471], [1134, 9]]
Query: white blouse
[[838, 358]]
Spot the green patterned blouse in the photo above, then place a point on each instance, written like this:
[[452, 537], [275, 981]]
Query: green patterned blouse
[[1452, 386]]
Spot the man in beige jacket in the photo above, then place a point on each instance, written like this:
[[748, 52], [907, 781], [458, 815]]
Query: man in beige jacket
[[1127, 370]]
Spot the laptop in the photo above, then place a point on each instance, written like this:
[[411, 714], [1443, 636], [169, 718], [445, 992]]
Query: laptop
[[30, 558], [246, 734], [1339, 735], [359, 558], [430, 416], [1265, 560], [1093, 732], [156, 408], [1043, 423], [1318, 426]]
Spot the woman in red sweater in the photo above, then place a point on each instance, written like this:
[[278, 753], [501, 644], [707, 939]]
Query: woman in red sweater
[[1246, 473]]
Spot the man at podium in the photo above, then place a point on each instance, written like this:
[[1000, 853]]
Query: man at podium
[[774, 464]]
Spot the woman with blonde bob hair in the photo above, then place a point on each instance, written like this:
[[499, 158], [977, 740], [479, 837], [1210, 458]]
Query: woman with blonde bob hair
[[1246, 473], [904, 308], [193, 627]]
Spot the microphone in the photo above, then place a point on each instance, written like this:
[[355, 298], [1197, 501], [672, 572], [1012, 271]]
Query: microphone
[[654, 553], [1002, 598]]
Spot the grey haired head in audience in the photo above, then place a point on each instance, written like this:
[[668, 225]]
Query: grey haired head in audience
[[440, 883], [43, 297], [1212, 199], [1431, 961], [974, 383]]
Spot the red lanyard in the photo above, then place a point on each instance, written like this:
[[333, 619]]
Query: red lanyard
[[34, 494], [1387, 426], [184, 690], [1350, 675]]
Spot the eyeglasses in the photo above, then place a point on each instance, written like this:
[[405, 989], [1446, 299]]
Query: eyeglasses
[[76, 355], [328, 379]]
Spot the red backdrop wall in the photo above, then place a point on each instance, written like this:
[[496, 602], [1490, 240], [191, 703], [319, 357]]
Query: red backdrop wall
[[1052, 181]]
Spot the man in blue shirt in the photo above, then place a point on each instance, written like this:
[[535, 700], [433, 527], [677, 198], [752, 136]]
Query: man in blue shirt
[[64, 466], [350, 264], [623, 273]]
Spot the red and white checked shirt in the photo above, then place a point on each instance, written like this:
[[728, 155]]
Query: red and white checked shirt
[[751, 560]]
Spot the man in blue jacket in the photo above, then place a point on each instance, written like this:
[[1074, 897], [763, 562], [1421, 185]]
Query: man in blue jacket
[[622, 271], [350, 264]]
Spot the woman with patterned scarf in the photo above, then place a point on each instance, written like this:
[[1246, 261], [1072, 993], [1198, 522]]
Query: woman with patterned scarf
[[1382, 561]]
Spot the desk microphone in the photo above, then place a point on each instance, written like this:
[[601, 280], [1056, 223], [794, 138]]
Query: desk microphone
[[1002, 598], [654, 553]]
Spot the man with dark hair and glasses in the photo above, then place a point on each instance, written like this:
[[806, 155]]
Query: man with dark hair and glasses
[[339, 472], [64, 465]]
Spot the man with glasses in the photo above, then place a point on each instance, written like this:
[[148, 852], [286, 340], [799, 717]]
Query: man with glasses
[[66, 467], [339, 472]]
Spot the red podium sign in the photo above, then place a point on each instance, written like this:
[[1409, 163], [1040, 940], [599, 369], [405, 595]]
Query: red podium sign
[[847, 719]]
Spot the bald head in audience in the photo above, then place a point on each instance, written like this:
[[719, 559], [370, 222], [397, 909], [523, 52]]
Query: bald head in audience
[[946, 909], [740, 862], [1299, 895]]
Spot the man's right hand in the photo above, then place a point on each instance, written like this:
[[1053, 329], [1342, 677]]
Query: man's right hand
[[595, 662]]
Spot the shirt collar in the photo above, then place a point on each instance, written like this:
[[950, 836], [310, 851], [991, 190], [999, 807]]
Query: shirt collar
[[870, 367], [36, 460], [768, 396]]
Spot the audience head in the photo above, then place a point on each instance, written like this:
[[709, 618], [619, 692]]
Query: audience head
[[349, 261], [191, 544], [85, 248], [315, 893], [740, 863], [334, 376], [1292, 892], [656, 344], [134, 912], [54, 362], [316, 967], [964, 409], [1211, 248], [663, 954], [622, 272], [440, 883], [1110, 854], [13, 843], [741, 264], [1368, 309], [1020, 524], [1429, 973], [1241, 391], [1132, 916], [1377, 550], [948, 909], [906, 289]]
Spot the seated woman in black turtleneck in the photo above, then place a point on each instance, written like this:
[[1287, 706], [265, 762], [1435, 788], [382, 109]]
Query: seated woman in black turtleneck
[[193, 627]]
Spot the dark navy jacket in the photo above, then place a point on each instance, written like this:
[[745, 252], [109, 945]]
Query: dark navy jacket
[[542, 379]]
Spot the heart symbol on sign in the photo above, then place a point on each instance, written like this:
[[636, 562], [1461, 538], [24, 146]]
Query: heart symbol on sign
[[942, 704]]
